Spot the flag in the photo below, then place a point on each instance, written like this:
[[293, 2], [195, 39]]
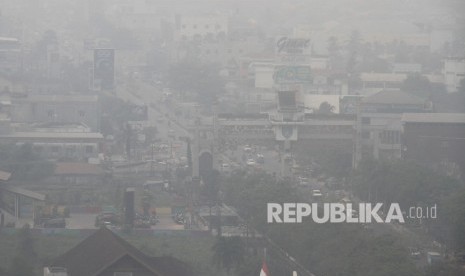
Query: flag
[[264, 271]]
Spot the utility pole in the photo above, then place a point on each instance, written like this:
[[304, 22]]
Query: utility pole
[[152, 171]]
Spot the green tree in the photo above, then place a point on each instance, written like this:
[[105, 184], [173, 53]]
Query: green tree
[[325, 108], [401, 181], [229, 252], [24, 163], [23, 263], [421, 86]]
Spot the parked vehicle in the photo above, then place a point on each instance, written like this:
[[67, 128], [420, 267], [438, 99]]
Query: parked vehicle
[[55, 223], [317, 193]]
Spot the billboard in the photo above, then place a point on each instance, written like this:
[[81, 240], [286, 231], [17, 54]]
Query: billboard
[[292, 74], [286, 133], [104, 68]]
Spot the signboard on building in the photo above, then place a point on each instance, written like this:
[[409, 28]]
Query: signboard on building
[[292, 46], [104, 70], [292, 74]]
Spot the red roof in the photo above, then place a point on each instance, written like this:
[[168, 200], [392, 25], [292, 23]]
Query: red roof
[[78, 169]]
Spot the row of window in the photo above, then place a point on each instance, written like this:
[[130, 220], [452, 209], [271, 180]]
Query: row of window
[[69, 149], [208, 51], [194, 26], [390, 137], [51, 113]]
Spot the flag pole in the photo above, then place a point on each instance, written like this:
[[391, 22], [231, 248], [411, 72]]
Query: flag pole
[[264, 271]]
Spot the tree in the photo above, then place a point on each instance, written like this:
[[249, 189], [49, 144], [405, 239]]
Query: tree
[[326, 108], [334, 247], [404, 182], [353, 49], [421, 86], [229, 252], [24, 163], [24, 262]]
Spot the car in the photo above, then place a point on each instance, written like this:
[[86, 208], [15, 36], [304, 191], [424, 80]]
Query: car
[[250, 162], [415, 252], [260, 159], [317, 193], [247, 149], [55, 223]]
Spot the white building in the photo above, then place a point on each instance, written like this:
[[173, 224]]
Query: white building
[[190, 27], [454, 73]]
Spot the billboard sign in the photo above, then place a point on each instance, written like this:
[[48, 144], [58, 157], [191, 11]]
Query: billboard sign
[[292, 74], [292, 46]]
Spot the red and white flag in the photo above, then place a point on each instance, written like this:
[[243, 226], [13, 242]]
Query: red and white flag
[[264, 271]]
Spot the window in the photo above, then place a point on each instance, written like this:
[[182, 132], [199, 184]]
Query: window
[[55, 149], [82, 113], [183, 26], [207, 26], [195, 26], [89, 149], [366, 120], [51, 113]]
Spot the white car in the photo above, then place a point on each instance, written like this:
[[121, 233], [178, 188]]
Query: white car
[[317, 193], [250, 162]]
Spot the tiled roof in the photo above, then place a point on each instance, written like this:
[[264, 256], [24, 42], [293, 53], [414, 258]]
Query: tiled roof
[[103, 248], [393, 97], [78, 169], [458, 118]]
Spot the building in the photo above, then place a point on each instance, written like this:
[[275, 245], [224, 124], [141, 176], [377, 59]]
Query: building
[[10, 55], [375, 82], [71, 109], [379, 125], [105, 253], [200, 27], [454, 73], [73, 174], [58, 145], [435, 139]]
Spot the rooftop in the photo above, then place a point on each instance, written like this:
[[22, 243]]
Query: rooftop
[[451, 118], [104, 248], [52, 135], [393, 97], [78, 169], [59, 98], [24, 192], [4, 176]]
